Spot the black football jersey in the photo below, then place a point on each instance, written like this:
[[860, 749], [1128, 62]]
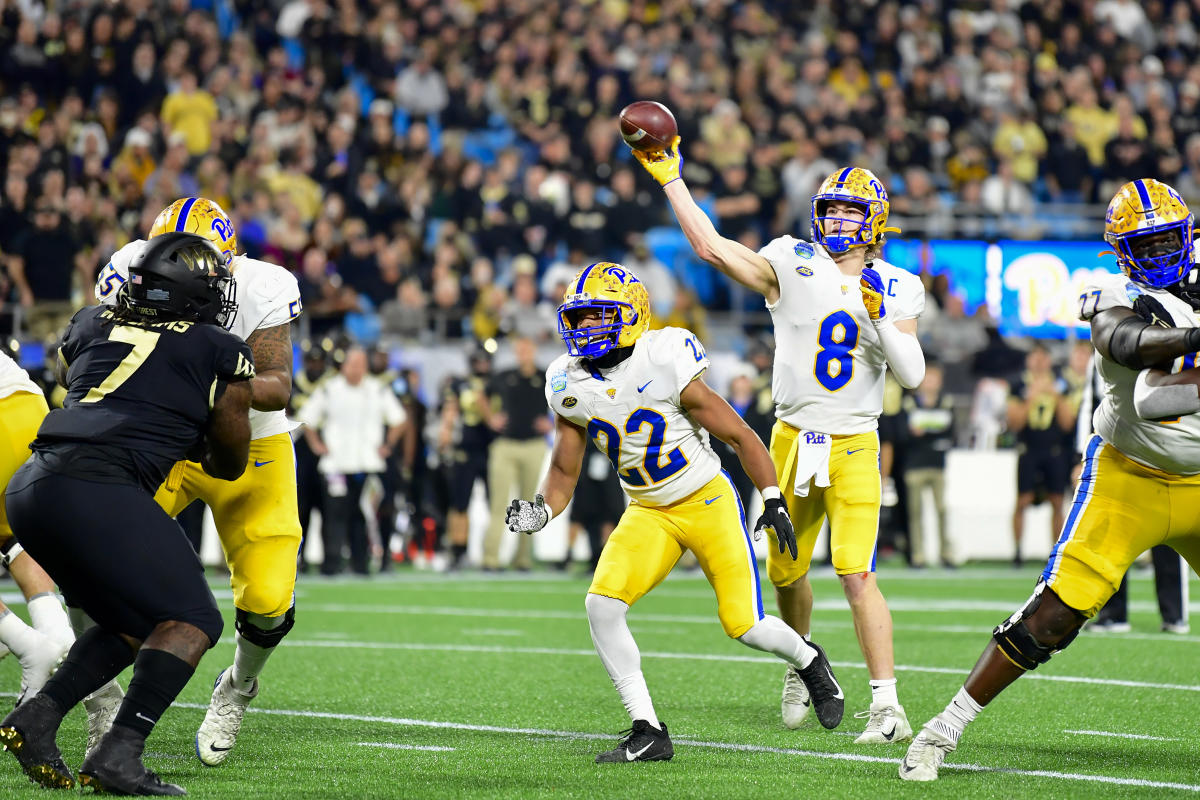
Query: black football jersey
[[140, 394]]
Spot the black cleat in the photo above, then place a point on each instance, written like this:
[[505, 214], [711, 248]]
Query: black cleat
[[28, 733], [827, 698], [115, 767], [643, 743]]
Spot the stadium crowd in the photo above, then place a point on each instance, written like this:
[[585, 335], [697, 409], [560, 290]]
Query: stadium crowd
[[434, 170]]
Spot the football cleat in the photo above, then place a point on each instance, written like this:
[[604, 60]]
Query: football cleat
[[796, 701], [1180, 628], [28, 733], [823, 689], [885, 724], [102, 708], [116, 767], [642, 742], [39, 662], [218, 733], [926, 754]]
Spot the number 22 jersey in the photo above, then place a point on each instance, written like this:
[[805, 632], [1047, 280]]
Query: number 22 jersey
[[829, 363], [632, 413]]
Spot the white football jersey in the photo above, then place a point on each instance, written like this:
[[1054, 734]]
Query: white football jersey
[[267, 296], [632, 412], [13, 379], [829, 364], [1172, 447]]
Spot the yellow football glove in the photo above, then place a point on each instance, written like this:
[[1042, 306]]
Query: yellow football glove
[[664, 165], [872, 294]]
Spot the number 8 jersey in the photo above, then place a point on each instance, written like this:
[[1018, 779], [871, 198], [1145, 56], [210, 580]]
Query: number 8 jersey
[[829, 364], [632, 413]]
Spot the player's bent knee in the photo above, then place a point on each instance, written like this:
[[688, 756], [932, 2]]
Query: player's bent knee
[[264, 631], [265, 599], [1042, 627], [601, 609]]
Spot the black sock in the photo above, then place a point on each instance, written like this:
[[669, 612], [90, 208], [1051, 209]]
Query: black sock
[[158, 678], [97, 657], [458, 552]]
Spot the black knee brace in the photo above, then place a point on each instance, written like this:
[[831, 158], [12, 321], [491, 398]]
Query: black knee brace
[[1019, 645], [264, 638]]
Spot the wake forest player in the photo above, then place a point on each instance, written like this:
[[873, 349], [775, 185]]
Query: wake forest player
[[256, 516], [38, 647], [147, 382], [640, 398], [1140, 484], [841, 317]]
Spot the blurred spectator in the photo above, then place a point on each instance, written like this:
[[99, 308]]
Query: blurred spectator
[[524, 315], [353, 424], [191, 111], [928, 427], [463, 440], [44, 263], [313, 372], [517, 415]]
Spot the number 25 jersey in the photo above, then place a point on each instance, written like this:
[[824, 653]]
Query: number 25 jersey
[[829, 364], [632, 413]]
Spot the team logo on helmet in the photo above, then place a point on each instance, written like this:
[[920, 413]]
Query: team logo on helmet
[[1150, 229], [621, 301], [851, 185], [200, 216]]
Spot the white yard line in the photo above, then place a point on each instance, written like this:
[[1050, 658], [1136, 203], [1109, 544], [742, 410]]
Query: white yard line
[[394, 746], [764, 660], [735, 746], [1127, 735]]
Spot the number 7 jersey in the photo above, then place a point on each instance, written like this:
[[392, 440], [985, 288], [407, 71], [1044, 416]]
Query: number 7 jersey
[[829, 364], [632, 413]]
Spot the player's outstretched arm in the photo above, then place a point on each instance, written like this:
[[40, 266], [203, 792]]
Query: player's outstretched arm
[[272, 383], [1136, 338], [566, 461], [227, 441], [732, 258]]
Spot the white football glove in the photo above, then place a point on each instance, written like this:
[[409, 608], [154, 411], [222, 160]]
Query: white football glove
[[526, 516]]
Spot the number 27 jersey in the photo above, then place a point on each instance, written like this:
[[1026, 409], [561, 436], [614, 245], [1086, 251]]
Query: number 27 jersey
[[632, 413], [829, 363]]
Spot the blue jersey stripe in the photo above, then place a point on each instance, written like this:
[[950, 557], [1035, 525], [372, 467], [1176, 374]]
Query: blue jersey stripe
[[758, 603], [1082, 494], [181, 220]]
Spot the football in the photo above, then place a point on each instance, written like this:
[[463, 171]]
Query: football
[[647, 125]]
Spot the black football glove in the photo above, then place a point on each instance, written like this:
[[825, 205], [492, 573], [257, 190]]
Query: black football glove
[[1152, 311], [775, 516]]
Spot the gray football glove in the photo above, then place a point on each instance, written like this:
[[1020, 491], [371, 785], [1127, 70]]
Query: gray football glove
[[526, 516]]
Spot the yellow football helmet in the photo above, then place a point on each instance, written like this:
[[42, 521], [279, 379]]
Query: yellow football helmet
[[861, 187], [621, 300], [1151, 229], [201, 216]]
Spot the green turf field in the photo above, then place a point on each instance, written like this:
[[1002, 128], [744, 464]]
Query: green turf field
[[470, 686]]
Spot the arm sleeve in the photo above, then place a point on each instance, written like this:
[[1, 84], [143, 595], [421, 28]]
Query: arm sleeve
[[1162, 402], [903, 352]]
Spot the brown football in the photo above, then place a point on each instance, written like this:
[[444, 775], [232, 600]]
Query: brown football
[[647, 125]]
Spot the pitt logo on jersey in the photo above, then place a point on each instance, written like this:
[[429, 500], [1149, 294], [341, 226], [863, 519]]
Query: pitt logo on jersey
[[811, 437]]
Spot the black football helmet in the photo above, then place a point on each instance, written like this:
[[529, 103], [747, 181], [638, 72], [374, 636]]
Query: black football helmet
[[181, 276]]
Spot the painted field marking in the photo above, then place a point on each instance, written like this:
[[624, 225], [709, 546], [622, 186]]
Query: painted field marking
[[397, 746], [1127, 735]]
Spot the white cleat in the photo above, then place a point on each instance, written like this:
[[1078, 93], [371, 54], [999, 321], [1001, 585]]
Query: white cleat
[[218, 733], [796, 702], [38, 663], [885, 724], [926, 754], [102, 708]]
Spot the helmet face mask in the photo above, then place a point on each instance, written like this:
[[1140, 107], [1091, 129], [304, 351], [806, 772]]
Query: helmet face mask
[[858, 187], [1152, 231], [180, 276], [612, 293]]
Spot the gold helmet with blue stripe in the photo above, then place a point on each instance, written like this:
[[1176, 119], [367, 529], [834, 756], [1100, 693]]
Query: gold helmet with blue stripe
[[860, 187], [201, 216], [617, 296], [1151, 229]]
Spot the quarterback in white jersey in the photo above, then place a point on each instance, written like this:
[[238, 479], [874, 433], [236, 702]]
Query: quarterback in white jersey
[[841, 317], [256, 516], [1140, 483], [639, 396], [38, 647]]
